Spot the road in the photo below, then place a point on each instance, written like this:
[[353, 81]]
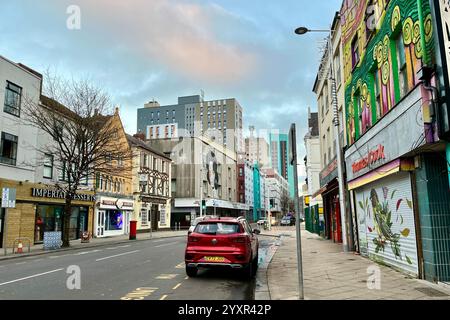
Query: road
[[144, 270]]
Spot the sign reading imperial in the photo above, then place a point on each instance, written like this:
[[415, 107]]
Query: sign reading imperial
[[57, 194]]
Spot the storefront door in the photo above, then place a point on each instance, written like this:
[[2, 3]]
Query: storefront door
[[154, 217], [100, 223]]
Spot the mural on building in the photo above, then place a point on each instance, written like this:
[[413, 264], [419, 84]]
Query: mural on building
[[382, 54]]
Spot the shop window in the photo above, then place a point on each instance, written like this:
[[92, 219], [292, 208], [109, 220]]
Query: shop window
[[144, 217], [8, 149], [114, 220], [13, 95], [48, 166]]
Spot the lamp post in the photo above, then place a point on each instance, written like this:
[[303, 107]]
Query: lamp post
[[336, 122]]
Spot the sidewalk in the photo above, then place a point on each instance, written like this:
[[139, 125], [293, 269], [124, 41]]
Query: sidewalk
[[95, 242], [331, 274]]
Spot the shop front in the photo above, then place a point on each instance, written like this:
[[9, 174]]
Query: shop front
[[152, 213], [380, 172], [331, 207], [39, 209], [112, 216]]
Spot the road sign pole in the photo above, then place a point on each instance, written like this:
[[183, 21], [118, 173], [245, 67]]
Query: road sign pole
[[293, 149]]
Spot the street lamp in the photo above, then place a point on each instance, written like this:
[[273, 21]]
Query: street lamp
[[302, 31]]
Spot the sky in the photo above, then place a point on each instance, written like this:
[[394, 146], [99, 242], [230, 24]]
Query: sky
[[140, 50]]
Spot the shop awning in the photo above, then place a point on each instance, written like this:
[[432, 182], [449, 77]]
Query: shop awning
[[382, 172]]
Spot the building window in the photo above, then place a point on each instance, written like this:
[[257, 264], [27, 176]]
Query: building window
[[355, 52], [402, 74], [8, 149], [48, 166], [337, 68], [376, 79], [12, 99]]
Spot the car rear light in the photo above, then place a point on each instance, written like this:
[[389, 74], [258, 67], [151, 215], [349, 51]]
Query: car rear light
[[193, 239], [240, 240], [189, 256]]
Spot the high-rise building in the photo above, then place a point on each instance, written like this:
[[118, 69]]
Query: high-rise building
[[257, 149], [219, 120], [279, 158]]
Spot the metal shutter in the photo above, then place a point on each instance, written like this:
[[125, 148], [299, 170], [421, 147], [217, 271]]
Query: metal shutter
[[393, 245]]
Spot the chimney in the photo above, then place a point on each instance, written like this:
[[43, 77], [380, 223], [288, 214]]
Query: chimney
[[139, 136]]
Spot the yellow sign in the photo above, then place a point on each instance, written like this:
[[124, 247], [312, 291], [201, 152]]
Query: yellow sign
[[307, 200], [320, 210]]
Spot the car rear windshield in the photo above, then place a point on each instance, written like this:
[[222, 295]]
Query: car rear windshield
[[215, 228]]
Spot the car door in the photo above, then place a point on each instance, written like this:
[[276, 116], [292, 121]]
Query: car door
[[253, 238]]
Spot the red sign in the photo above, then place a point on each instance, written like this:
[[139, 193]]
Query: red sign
[[371, 158]]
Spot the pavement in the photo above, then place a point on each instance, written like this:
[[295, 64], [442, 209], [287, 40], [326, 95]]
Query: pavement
[[331, 274], [94, 242]]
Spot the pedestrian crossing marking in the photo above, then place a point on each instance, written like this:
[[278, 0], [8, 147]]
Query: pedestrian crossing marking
[[166, 276]]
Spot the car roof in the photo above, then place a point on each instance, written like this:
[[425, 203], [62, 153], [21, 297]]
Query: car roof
[[222, 219]]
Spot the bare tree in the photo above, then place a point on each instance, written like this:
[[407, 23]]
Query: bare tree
[[81, 138]]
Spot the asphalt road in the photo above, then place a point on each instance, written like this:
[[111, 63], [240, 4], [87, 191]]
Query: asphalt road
[[144, 270]]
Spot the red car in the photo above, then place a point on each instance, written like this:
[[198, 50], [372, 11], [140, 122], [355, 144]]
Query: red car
[[222, 242]]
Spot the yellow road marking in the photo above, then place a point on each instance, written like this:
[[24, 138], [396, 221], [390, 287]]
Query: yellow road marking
[[164, 297], [180, 266], [139, 294], [176, 287], [186, 278]]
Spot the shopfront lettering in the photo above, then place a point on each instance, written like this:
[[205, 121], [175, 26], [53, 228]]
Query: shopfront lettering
[[371, 158], [57, 194]]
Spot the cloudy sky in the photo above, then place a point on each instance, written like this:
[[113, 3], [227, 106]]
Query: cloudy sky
[[140, 50]]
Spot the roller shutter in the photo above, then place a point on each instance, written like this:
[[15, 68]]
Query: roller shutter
[[386, 223]]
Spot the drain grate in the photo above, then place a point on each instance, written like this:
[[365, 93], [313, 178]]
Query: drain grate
[[432, 292]]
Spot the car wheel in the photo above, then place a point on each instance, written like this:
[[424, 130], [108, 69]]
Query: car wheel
[[191, 271], [249, 272], [255, 265]]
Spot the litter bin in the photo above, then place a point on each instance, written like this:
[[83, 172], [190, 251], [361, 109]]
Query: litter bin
[[133, 227]]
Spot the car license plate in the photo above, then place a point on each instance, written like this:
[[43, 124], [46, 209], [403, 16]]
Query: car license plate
[[214, 259]]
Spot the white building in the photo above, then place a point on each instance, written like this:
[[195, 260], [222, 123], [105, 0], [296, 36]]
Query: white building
[[276, 186], [313, 163], [257, 149], [249, 196], [18, 85]]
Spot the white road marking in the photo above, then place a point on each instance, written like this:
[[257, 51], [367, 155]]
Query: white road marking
[[117, 255], [86, 252], [19, 263], [164, 297], [181, 265], [167, 244], [187, 278], [176, 287], [126, 246], [111, 248], [155, 241], [33, 276], [166, 276]]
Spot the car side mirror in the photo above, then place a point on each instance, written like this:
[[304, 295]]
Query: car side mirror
[[256, 231]]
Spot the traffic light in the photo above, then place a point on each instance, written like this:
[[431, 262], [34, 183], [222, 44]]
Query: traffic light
[[204, 204]]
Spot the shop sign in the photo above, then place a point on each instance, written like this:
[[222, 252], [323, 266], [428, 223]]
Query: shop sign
[[153, 200], [119, 203], [57, 194], [329, 173], [371, 158], [8, 198]]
